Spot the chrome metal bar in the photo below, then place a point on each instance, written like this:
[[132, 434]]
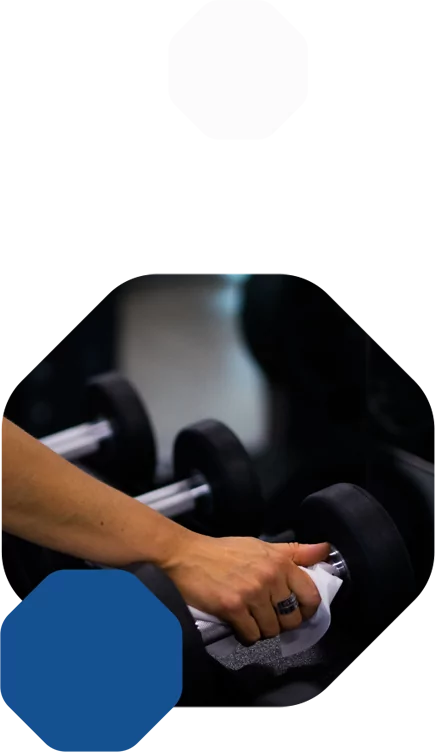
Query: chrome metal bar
[[79, 441], [165, 492], [339, 565], [177, 503]]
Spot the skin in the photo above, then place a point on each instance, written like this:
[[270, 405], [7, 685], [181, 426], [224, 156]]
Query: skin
[[48, 501]]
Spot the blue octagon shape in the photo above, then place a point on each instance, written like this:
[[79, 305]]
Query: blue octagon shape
[[91, 660]]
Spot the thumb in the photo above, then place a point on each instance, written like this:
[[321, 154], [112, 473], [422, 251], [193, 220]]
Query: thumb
[[308, 554]]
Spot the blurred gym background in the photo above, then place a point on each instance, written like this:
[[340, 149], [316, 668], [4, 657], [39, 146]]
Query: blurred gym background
[[176, 338], [272, 356]]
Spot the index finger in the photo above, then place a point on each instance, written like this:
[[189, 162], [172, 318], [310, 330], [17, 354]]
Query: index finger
[[304, 589]]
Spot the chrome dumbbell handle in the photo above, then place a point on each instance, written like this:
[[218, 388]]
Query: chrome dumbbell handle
[[152, 497], [212, 631], [84, 440], [178, 498], [338, 563], [79, 441]]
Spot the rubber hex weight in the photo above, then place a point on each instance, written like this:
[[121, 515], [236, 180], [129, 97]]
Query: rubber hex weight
[[235, 505], [132, 450], [382, 582]]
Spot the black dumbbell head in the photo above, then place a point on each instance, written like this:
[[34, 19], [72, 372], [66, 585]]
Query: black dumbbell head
[[382, 582], [205, 681], [131, 454], [210, 448]]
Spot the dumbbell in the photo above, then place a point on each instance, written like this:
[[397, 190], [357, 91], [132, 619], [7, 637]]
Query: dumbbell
[[378, 584], [118, 433], [215, 479], [367, 553]]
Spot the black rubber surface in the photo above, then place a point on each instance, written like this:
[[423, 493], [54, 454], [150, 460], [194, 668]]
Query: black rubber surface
[[212, 449], [205, 681], [131, 455], [404, 485], [382, 577]]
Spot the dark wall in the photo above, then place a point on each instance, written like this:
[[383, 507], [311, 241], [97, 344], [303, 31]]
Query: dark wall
[[333, 374]]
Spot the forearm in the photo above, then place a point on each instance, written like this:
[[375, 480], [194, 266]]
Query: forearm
[[48, 501]]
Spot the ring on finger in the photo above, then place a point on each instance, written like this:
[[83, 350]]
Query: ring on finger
[[287, 606]]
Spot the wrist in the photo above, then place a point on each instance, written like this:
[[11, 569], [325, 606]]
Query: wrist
[[170, 544]]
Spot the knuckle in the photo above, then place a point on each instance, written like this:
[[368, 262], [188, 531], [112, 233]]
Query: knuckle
[[255, 589], [231, 604], [281, 559], [294, 548], [313, 599], [253, 597], [268, 574]]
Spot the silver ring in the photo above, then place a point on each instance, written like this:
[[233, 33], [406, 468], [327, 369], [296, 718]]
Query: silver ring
[[288, 606]]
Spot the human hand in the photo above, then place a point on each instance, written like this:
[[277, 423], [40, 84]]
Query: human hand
[[241, 580]]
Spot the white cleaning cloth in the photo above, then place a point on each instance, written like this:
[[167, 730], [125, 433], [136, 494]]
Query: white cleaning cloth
[[295, 640]]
